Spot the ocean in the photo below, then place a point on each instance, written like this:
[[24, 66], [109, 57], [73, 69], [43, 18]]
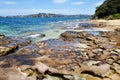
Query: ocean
[[33, 27]]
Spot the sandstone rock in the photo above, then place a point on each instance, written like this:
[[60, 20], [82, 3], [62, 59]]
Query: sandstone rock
[[101, 70], [10, 45], [96, 69], [7, 50], [41, 67], [104, 55], [118, 29], [25, 51], [34, 72], [116, 67], [91, 38], [70, 77], [114, 77], [118, 44], [23, 42], [68, 34], [118, 51], [41, 45], [13, 73], [48, 61], [81, 45], [45, 52], [88, 77], [110, 61], [90, 62], [61, 62], [73, 35]]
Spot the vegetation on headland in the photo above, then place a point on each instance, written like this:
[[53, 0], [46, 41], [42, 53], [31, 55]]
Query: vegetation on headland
[[110, 9]]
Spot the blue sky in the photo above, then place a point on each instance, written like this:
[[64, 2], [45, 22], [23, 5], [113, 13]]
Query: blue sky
[[23, 7]]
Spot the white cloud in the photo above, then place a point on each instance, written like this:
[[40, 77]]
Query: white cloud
[[60, 1], [10, 3], [77, 3], [98, 3]]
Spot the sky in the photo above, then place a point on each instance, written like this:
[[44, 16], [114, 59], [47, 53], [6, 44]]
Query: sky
[[68, 7]]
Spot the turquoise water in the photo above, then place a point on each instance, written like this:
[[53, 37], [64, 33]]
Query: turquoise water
[[23, 27]]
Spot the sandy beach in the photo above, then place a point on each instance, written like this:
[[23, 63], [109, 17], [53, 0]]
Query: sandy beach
[[109, 25]]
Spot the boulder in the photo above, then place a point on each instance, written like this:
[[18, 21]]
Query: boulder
[[98, 70]]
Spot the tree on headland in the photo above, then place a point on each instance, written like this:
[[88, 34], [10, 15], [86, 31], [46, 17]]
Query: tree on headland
[[110, 8]]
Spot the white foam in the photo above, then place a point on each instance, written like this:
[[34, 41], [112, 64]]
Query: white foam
[[33, 35]]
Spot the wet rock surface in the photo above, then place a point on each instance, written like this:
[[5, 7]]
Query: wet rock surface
[[10, 45], [74, 56]]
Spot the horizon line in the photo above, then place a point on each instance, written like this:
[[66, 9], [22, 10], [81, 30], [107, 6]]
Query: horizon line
[[42, 13]]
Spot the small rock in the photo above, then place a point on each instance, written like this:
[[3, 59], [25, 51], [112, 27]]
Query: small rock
[[2, 36], [118, 29], [117, 50], [70, 77], [91, 38], [82, 78]]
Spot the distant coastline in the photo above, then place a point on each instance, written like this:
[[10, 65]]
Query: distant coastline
[[47, 15]]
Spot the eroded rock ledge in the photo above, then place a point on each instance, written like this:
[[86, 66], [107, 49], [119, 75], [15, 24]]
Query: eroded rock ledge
[[74, 56]]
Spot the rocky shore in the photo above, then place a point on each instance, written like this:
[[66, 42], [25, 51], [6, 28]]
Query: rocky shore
[[73, 56]]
